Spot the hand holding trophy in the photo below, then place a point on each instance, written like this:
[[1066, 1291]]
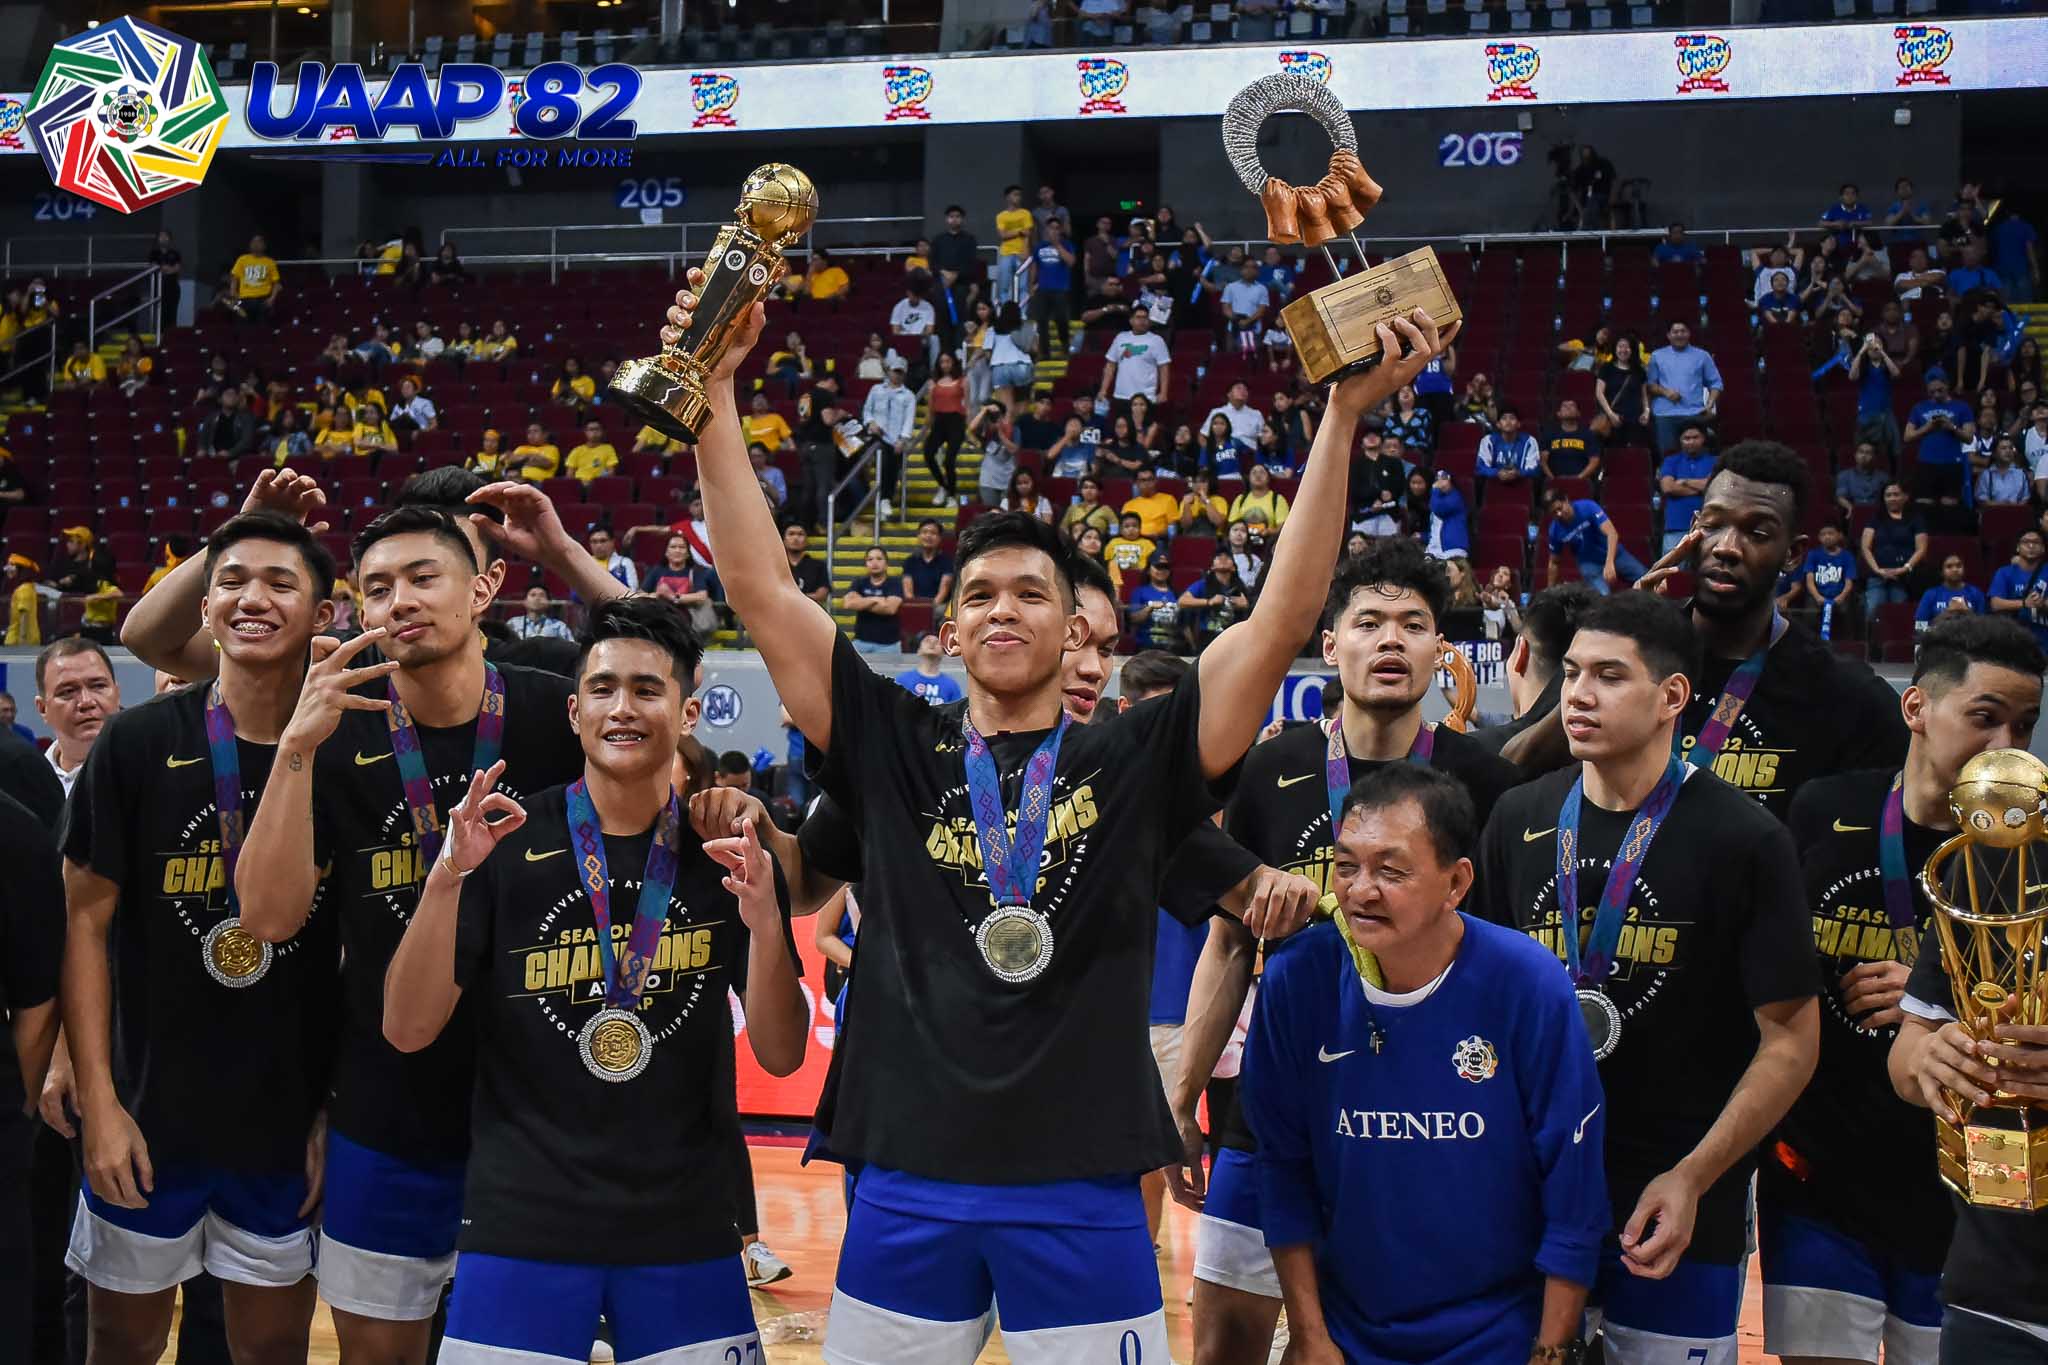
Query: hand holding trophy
[[1990, 913], [777, 206], [1334, 328]]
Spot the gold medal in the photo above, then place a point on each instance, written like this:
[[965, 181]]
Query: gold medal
[[1015, 942], [234, 957], [615, 1045]]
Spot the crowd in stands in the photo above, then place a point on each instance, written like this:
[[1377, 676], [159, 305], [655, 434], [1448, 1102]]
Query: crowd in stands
[[1126, 380]]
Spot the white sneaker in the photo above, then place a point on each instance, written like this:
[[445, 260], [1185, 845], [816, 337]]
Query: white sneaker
[[885, 510], [764, 1267]]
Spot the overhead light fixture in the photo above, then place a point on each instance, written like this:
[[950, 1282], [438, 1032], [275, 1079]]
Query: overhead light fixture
[[305, 9], [92, 23]]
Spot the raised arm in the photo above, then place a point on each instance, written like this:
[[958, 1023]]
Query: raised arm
[[792, 631], [1244, 666], [533, 530]]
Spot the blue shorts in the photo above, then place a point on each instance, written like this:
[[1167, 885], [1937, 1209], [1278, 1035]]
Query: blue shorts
[[1690, 1315], [1828, 1294], [387, 1243], [1230, 1239], [925, 1261], [694, 1314], [236, 1227]]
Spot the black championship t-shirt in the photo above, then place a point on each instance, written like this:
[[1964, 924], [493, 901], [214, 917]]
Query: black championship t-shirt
[[1851, 1152], [1998, 1259], [1281, 813], [565, 1166], [1716, 927], [1050, 1079], [31, 929], [1813, 713], [413, 1105], [225, 1076]]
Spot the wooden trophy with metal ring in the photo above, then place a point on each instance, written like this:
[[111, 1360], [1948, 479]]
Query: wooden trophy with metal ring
[[1332, 327]]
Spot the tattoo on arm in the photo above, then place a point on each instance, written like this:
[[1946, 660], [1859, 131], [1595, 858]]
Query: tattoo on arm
[[298, 762]]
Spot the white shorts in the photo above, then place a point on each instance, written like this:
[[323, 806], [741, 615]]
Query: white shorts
[[127, 1261], [387, 1244], [1230, 1246], [1166, 1054], [862, 1334]]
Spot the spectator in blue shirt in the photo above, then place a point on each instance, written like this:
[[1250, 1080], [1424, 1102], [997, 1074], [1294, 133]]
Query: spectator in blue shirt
[[1829, 572], [2021, 587], [1684, 382], [2003, 483], [1508, 454], [2015, 257], [1940, 425], [1581, 526], [1683, 482], [1675, 250], [1908, 214], [1449, 536], [1279, 275], [928, 570], [1844, 214], [927, 680], [1893, 545], [1950, 597], [1862, 483], [1153, 608], [1972, 273], [1873, 370]]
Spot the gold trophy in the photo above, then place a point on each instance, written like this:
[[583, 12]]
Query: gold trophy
[[666, 391], [1990, 923], [1332, 327]]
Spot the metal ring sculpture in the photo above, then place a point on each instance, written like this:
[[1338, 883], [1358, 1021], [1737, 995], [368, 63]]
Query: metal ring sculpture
[[1309, 214]]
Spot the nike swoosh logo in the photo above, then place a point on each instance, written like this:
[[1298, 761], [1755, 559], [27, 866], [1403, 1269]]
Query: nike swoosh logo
[[1841, 828], [1324, 1054], [182, 762], [365, 760], [533, 857], [1530, 836], [1293, 781], [1579, 1134]]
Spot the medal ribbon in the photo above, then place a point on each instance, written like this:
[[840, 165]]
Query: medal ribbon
[[625, 975], [412, 764], [1734, 696], [1598, 956], [1010, 862], [227, 783], [1891, 859]]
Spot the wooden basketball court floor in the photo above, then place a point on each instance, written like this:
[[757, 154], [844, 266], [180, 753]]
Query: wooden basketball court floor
[[803, 1218]]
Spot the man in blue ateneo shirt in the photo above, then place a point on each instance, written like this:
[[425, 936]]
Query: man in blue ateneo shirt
[[1938, 424], [1580, 526], [1683, 382], [1407, 1046]]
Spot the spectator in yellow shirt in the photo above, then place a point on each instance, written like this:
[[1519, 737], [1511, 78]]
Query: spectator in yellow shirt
[[920, 257], [1155, 509], [254, 281], [82, 368], [24, 612], [652, 442], [538, 459], [1262, 496], [765, 426], [499, 345], [594, 457], [374, 435], [1013, 247], [176, 551], [1202, 513], [490, 459], [338, 437], [572, 387], [102, 610], [824, 280], [1129, 551], [133, 369]]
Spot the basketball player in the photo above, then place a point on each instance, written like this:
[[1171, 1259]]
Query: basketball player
[[496, 518], [371, 760], [1535, 663], [1693, 964], [599, 1181], [1381, 636], [1852, 1219], [201, 1054], [1357, 1019], [1010, 1016], [31, 956]]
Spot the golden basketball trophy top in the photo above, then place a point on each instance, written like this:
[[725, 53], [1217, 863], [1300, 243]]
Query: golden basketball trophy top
[[777, 206], [1332, 327], [1990, 927]]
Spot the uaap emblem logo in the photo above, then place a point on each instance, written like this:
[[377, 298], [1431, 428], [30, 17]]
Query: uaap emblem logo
[[1102, 80], [713, 95], [1475, 1060], [1923, 50], [1312, 64], [1703, 62], [125, 114], [1511, 71], [906, 88], [13, 115]]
